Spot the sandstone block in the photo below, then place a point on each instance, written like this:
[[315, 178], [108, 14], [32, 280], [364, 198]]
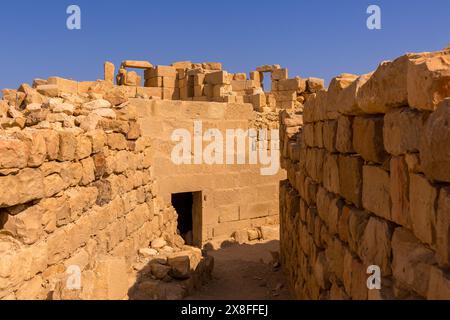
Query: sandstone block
[[428, 80], [329, 135], [27, 225], [402, 131], [37, 146], [439, 285], [116, 141], [368, 138], [136, 64], [216, 78], [375, 247], [109, 71], [354, 277], [67, 145], [435, 144], [331, 173], [212, 66], [160, 71], [337, 85], [386, 88], [268, 68], [14, 153], [64, 85], [411, 263], [281, 96], [24, 187], [314, 85], [270, 232], [111, 278], [350, 178], [344, 134], [376, 191], [399, 187], [98, 139], [422, 197], [280, 74], [84, 147], [295, 84], [443, 227], [117, 95], [180, 267], [97, 104], [318, 134], [308, 134]]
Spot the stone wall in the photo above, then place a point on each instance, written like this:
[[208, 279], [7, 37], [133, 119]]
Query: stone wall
[[369, 184], [235, 196], [86, 180], [78, 196], [209, 82]]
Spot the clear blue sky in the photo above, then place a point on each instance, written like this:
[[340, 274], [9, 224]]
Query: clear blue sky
[[311, 38]]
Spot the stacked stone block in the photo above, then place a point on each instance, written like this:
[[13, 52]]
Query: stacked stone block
[[368, 184], [77, 190], [189, 81]]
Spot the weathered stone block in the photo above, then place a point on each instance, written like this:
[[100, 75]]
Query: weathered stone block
[[331, 173], [357, 222], [280, 74], [329, 135], [412, 262], [422, 196], [14, 153], [354, 277], [439, 285], [428, 79], [337, 85], [109, 70], [435, 144], [443, 227], [402, 130], [318, 134], [344, 134], [67, 145], [376, 191], [386, 88], [399, 187], [347, 103], [296, 84], [24, 187], [350, 178], [110, 279], [368, 138], [116, 141], [375, 247], [27, 225], [216, 78]]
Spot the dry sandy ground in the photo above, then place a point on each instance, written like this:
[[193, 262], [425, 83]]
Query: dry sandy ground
[[244, 272]]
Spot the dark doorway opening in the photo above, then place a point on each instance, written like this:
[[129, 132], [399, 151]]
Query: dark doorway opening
[[188, 206]]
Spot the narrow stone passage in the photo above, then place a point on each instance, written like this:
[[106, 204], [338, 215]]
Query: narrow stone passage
[[245, 272]]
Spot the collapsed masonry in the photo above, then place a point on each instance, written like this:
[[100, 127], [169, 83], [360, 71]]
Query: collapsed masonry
[[88, 187], [368, 165]]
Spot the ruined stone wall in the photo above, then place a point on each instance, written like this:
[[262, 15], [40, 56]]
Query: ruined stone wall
[[369, 184], [78, 195], [235, 197], [209, 82], [86, 178]]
